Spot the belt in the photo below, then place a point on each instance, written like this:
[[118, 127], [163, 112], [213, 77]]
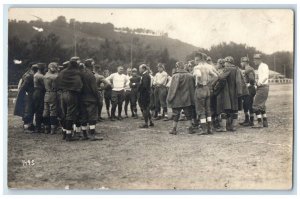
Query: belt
[[201, 85]]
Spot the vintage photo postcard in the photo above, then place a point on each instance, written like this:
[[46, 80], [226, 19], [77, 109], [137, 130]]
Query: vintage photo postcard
[[150, 99]]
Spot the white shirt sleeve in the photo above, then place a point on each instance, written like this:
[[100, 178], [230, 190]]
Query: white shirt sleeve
[[263, 73]]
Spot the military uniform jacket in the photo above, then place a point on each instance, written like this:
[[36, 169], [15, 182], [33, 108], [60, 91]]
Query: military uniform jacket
[[135, 83], [50, 87], [38, 81], [145, 89], [89, 90]]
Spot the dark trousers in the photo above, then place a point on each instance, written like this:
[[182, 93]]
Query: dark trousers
[[187, 112], [28, 109], [117, 98], [70, 108], [107, 98], [38, 104], [248, 103], [100, 102], [146, 113], [133, 100], [127, 101]]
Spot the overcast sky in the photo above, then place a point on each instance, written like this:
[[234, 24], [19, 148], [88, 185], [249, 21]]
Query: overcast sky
[[267, 30]]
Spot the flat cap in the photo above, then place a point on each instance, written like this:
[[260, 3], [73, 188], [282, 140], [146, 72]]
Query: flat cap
[[208, 58], [74, 58], [244, 59], [229, 59], [34, 66], [220, 61], [41, 65], [52, 64], [134, 70], [160, 65], [66, 63], [257, 56]]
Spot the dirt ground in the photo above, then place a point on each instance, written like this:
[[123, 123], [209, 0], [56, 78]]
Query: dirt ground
[[132, 158]]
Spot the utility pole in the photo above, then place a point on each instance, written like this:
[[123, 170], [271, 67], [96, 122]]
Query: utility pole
[[274, 63], [75, 44], [131, 49], [284, 70]]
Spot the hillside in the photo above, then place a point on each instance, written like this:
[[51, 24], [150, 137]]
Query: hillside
[[95, 34]]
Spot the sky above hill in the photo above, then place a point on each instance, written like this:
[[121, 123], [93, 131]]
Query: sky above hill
[[267, 30]]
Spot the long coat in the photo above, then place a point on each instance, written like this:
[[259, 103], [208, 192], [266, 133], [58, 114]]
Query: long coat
[[182, 90], [145, 90], [24, 105], [230, 88]]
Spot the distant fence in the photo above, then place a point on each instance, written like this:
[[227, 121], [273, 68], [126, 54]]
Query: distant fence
[[281, 81]]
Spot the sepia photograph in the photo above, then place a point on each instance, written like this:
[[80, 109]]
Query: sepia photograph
[[150, 98]]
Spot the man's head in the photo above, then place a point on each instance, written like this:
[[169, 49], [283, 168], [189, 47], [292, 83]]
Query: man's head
[[89, 63], [220, 63], [142, 68], [199, 57], [34, 68], [129, 71], [120, 70], [106, 73], [244, 62], [97, 68], [229, 61], [134, 72], [160, 67], [41, 67], [257, 59], [180, 65], [209, 60], [52, 67]]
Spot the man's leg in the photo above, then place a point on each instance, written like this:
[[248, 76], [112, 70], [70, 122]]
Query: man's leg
[[157, 103], [223, 123], [46, 116], [246, 104], [114, 103], [107, 100], [163, 102], [176, 115], [133, 102], [127, 100], [121, 97]]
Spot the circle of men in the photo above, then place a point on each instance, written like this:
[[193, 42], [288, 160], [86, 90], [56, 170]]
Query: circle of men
[[208, 97]]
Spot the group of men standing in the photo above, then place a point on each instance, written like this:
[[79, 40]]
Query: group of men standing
[[208, 96], [213, 95]]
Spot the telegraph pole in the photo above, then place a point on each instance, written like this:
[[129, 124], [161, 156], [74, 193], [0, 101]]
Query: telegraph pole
[[75, 45], [274, 63], [131, 49]]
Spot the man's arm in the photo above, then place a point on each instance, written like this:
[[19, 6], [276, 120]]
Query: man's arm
[[173, 88]]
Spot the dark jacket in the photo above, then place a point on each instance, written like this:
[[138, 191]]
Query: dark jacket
[[69, 79], [145, 90], [89, 90], [25, 91], [230, 88], [135, 83], [182, 90]]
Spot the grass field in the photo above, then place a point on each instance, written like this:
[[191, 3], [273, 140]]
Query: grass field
[[132, 158]]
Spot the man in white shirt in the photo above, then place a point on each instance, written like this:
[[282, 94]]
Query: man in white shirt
[[118, 81], [262, 92], [161, 91]]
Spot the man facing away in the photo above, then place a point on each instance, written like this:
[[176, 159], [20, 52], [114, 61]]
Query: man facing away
[[249, 78], [144, 95], [128, 93], [134, 84], [102, 83], [24, 99], [50, 100], [262, 92], [203, 73], [118, 81], [181, 96], [161, 91], [70, 83], [89, 101], [38, 96]]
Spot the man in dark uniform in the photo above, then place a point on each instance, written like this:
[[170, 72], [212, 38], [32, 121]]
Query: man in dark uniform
[[101, 84], [128, 93], [38, 96], [107, 94], [249, 78], [229, 84], [144, 95], [50, 100], [89, 101], [24, 99], [60, 112], [135, 81], [70, 83]]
